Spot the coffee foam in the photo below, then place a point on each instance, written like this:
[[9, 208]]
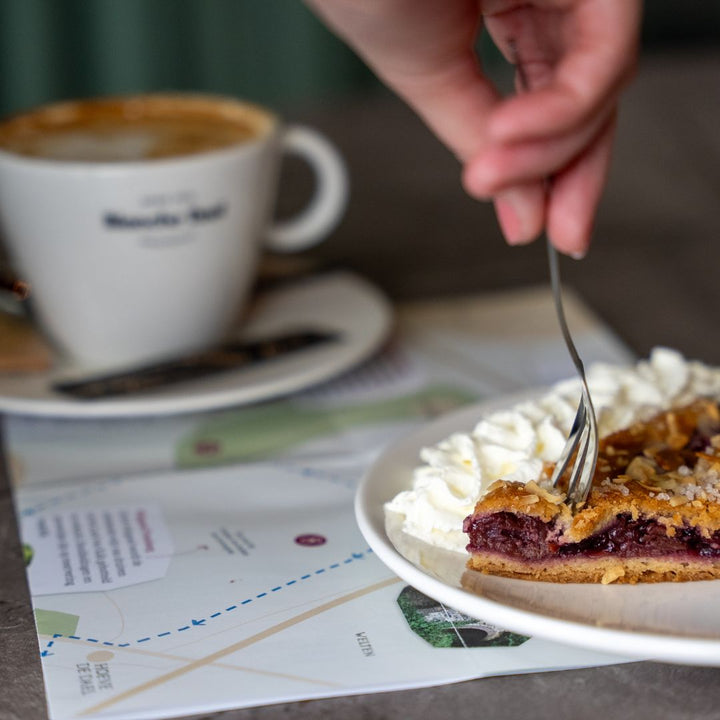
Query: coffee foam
[[135, 128]]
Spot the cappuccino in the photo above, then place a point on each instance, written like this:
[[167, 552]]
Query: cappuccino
[[132, 129]]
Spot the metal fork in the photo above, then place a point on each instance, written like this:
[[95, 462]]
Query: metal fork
[[581, 447], [583, 438]]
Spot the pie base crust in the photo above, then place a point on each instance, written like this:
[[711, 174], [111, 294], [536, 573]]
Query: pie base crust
[[601, 570]]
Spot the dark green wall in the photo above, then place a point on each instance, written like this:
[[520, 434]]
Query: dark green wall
[[272, 51], [268, 50]]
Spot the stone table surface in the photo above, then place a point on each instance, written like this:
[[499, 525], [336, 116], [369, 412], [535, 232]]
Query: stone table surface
[[411, 230]]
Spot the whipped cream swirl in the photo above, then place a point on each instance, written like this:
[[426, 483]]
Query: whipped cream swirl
[[513, 444]]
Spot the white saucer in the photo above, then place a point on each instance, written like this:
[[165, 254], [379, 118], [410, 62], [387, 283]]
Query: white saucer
[[340, 302], [673, 622]]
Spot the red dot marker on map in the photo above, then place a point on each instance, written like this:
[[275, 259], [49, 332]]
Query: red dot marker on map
[[310, 540], [207, 447]]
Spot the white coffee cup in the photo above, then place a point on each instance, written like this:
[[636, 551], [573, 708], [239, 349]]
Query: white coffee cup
[[138, 221]]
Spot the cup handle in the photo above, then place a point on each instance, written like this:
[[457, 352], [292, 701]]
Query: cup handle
[[328, 203]]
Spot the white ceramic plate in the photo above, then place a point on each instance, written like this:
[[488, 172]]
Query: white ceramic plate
[[339, 302], [673, 622]]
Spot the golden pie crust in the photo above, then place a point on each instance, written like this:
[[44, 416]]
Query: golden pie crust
[[663, 474]]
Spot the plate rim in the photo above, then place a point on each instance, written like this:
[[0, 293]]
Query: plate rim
[[637, 645]]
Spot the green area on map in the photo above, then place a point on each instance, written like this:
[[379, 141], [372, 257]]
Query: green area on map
[[256, 432], [443, 627], [52, 622]]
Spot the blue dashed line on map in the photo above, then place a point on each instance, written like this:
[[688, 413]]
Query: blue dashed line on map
[[201, 623]]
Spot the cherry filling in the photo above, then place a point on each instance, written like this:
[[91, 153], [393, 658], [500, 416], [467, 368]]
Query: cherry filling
[[528, 538]]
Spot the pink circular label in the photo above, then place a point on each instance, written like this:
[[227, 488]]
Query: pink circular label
[[310, 540]]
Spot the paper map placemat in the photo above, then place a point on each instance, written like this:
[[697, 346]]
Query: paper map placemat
[[198, 563]]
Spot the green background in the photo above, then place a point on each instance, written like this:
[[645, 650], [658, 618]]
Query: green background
[[273, 51], [268, 50]]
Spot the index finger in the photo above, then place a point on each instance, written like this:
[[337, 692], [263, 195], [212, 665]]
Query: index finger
[[599, 58]]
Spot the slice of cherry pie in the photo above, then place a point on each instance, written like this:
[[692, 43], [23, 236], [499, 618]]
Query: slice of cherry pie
[[653, 513]]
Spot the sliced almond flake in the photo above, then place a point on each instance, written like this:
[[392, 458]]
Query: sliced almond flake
[[676, 438], [710, 457], [496, 485], [641, 469], [664, 483], [712, 410], [612, 574], [554, 498]]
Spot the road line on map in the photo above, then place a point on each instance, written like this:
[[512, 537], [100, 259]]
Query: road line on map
[[209, 659], [224, 666]]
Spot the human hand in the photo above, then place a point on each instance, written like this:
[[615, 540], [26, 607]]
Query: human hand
[[576, 55]]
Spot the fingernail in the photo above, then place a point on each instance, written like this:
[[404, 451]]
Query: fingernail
[[578, 254], [517, 218]]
